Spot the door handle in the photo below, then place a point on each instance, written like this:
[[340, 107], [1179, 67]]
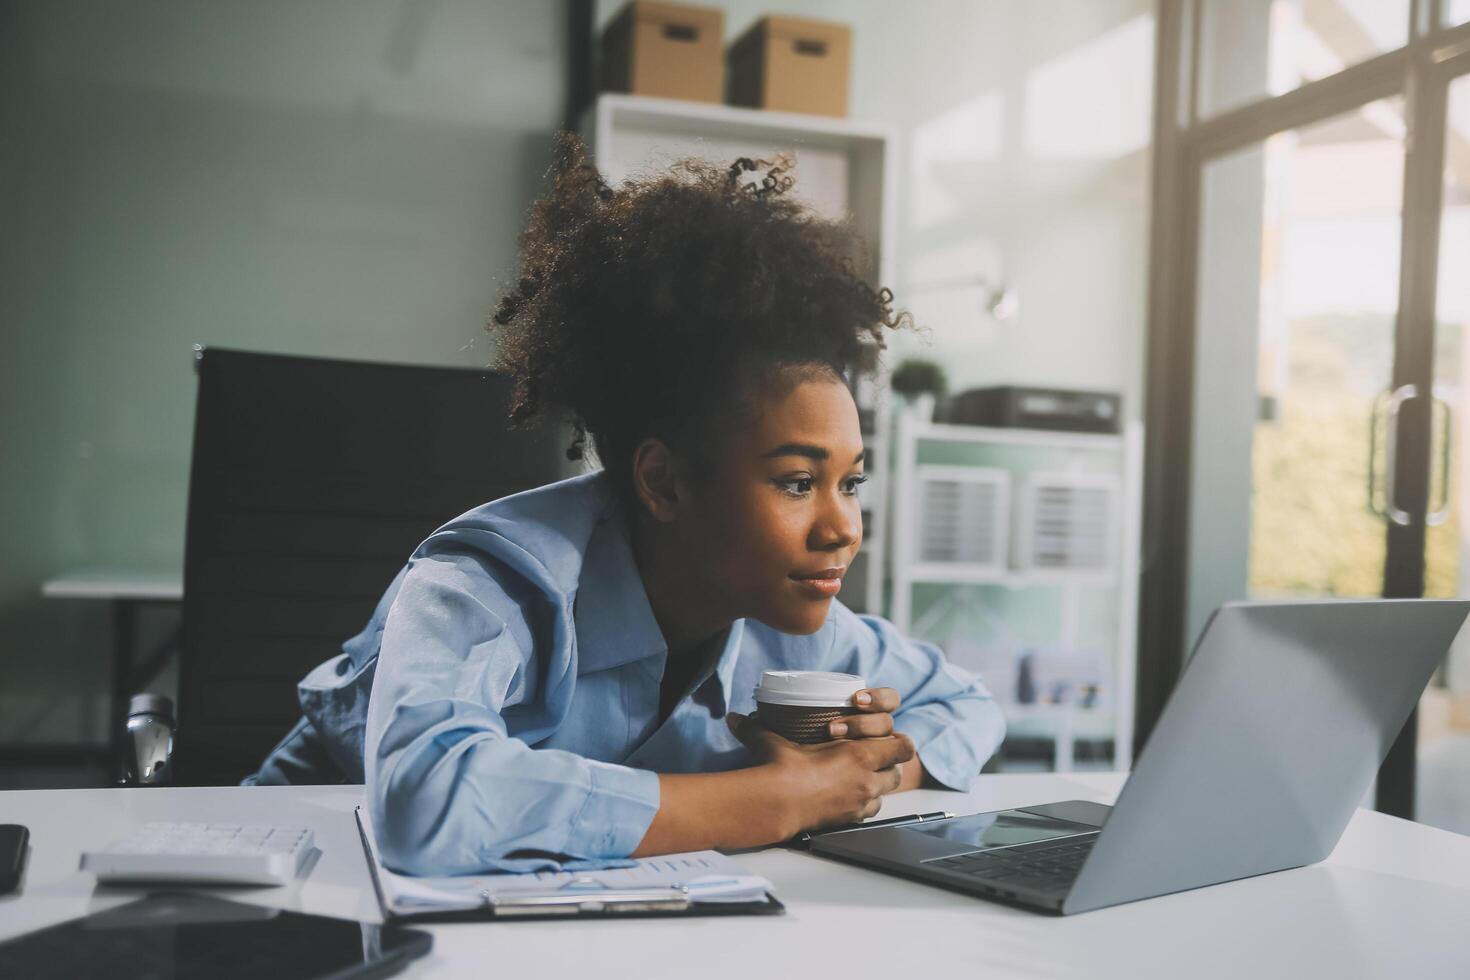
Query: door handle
[[1396, 400]]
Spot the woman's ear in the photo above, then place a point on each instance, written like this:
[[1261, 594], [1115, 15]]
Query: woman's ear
[[656, 480]]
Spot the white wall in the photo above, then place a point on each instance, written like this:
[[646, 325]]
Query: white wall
[[333, 177], [1024, 129]]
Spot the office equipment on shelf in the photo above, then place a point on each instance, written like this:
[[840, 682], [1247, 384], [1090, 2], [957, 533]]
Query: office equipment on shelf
[[694, 883], [1065, 691], [311, 483], [1241, 777], [964, 520], [1068, 523], [1047, 618], [1011, 406], [184, 936], [203, 853]]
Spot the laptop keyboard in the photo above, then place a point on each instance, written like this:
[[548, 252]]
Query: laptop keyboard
[[1046, 864]]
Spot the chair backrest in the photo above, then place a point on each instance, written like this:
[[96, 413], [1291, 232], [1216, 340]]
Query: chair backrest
[[312, 482]]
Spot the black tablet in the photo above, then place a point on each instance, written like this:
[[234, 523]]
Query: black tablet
[[179, 936]]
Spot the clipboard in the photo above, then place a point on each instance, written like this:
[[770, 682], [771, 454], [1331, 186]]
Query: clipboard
[[628, 904]]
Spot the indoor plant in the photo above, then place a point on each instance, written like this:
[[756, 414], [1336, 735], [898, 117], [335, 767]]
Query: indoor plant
[[921, 383]]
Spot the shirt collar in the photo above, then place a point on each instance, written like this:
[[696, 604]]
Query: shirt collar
[[725, 668], [615, 624]]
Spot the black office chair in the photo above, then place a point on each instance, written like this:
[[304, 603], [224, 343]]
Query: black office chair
[[312, 482]]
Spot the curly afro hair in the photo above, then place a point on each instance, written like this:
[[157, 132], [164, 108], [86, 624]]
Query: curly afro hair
[[658, 307]]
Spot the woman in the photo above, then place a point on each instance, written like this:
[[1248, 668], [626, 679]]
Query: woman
[[565, 675]]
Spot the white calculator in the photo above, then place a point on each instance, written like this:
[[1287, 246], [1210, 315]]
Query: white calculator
[[203, 853]]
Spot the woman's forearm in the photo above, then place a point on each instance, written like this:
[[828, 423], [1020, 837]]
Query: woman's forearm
[[743, 808]]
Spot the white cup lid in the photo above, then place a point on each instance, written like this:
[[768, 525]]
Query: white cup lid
[[808, 688]]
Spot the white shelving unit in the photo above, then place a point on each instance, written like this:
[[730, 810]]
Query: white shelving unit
[[844, 171], [1110, 466]]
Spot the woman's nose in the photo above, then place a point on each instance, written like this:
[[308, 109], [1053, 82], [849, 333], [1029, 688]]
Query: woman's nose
[[840, 524]]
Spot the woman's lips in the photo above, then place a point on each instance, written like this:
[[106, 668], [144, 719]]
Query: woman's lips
[[820, 588]]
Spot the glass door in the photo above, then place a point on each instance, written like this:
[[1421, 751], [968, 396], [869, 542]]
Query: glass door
[[1331, 358], [1296, 302], [1309, 337], [1442, 782]]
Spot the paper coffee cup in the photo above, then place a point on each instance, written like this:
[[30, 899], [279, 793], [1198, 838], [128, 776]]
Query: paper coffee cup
[[800, 704]]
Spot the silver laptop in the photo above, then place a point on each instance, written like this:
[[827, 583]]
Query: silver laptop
[[1267, 745]]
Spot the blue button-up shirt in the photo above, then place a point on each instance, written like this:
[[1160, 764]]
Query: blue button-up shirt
[[503, 703]]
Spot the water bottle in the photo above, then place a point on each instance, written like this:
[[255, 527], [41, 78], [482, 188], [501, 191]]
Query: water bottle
[[148, 741]]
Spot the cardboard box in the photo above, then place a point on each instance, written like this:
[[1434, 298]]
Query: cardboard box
[[792, 64], [668, 50]]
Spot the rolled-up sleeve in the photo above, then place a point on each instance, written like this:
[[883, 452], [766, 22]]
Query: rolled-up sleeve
[[950, 715], [451, 791]]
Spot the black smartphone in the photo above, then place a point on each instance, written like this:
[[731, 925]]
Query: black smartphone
[[13, 841]]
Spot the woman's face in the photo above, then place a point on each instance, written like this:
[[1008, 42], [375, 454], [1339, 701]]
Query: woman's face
[[778, 526]]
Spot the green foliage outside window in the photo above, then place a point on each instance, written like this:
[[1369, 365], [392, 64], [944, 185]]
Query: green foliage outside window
[[1312, 532]]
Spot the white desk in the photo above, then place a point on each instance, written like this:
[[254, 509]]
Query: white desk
[[127, 590], [114, 584], [1392, 901]]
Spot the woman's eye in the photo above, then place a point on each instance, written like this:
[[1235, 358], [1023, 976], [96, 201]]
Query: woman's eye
[[801, 486]]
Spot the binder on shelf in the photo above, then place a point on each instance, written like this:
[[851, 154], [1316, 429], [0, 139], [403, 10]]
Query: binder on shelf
[[1068, 524], [962, 521]]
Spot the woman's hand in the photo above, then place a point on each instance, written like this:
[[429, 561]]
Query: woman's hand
[[830, 783], [874, 718], [793, 788]]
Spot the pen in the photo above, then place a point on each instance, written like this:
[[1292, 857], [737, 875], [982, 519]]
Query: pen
[[806, 836], [892, 822]]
